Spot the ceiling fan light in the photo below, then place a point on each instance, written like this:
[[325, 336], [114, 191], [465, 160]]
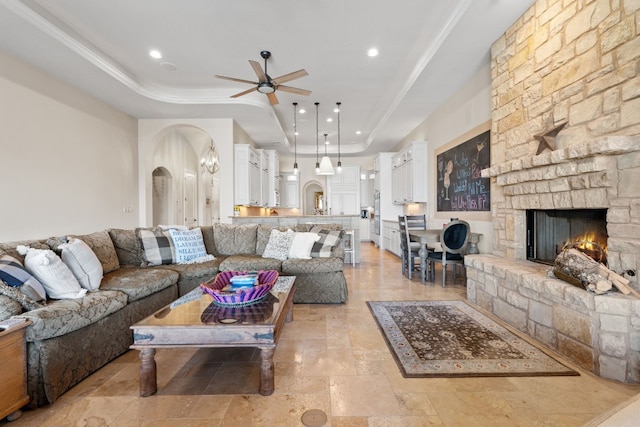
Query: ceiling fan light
[[326, 168], [266, 87]]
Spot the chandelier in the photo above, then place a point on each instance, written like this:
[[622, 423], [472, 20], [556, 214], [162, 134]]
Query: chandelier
[[210, 161]]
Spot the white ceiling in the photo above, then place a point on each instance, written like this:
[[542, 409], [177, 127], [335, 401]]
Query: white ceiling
[[428, 49]]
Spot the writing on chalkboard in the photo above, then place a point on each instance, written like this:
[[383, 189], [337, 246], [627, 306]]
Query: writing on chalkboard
[[460, 185]]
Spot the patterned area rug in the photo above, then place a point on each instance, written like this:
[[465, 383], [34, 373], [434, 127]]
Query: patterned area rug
[[452, 339]]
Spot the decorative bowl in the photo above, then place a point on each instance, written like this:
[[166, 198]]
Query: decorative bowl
[[225, 294]]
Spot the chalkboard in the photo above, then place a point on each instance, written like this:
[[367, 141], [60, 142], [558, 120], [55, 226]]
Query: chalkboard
[[460, 186]]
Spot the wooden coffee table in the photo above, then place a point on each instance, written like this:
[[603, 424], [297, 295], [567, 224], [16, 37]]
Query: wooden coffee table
[[194, 320]]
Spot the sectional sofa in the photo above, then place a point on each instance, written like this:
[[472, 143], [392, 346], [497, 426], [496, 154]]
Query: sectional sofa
[[69, 339]]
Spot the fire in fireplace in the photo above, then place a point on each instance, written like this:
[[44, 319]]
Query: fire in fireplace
[[551, 231]]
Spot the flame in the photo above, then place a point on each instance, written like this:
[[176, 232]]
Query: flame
[[590, 243]]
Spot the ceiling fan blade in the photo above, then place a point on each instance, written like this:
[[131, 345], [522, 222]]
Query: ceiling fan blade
[[291, 76], [244, 92], [294, 90], [233, 79], [262, 77], [272, 98]]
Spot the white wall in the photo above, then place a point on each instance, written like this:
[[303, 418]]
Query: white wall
[[469, 108], [68, 163]]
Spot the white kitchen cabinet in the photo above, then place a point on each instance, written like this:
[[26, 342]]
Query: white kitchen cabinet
[[247, 171], [290, 191], [344, 191], [386, 209], [366, 189], [409, 174], [391, 237], [264, 178], [273, 179], [365, 234]]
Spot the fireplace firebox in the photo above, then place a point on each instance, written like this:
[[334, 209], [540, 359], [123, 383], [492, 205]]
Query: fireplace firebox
[[550, 231]]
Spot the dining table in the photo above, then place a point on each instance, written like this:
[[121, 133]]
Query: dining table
[[424, 237]]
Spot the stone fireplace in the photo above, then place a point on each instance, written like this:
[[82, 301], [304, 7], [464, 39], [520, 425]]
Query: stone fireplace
[[550, 231], [573, 62]]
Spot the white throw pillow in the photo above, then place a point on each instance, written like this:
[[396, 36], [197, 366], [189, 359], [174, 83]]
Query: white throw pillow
[[55, 276], [189, 245], [83, 263], [278, 244], [302, 244]]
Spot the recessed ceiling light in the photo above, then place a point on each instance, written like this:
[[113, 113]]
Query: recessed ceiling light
[[358, 132], [329, 120], [302, 111], [336, 110], [372, 52], [156, 54]]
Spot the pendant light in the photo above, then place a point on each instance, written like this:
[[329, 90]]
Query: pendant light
[[210, 162], [295, 140], [339, 162], [317, 160], [326, 168]]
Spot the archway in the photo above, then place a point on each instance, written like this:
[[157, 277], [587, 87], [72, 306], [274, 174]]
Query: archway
[[162, 185], [314, 196], [177, 153]]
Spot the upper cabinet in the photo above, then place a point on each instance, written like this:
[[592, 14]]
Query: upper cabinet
[[409, 174], [272, 199], [290, 191], [344, 191], [366, 188], [248, 175]]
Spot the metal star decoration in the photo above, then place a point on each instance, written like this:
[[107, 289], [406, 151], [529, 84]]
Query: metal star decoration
[[548, 138]]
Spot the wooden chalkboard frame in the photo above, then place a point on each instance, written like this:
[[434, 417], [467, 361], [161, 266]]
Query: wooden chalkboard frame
[[461, 162]]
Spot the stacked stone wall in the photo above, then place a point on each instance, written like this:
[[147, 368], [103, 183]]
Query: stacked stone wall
[[575, 62]]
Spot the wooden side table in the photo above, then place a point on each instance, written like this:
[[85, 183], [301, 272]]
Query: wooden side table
[[13, 371]]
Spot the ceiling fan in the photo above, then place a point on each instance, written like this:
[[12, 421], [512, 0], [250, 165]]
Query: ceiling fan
[[266, 84]]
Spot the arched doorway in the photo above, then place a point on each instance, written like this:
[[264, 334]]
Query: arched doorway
[[183, 192], [162, 184], [314, 197]]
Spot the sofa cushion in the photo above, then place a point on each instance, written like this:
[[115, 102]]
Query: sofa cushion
[[10, 248], [302, 244], [187, 272], [249, 263], [264, 234], [101, 244], [279, 244], [18, 297], [313, 265], [138, 283], [55, 276], [127, 247], [237, 239], [61, 317], [188, 244], [157, 246], [328, 240], [8, 306], [83, 263], [14, 274], [310, 226], [208, 239]]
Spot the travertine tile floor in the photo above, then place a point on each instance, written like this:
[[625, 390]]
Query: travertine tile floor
[[332, 358]]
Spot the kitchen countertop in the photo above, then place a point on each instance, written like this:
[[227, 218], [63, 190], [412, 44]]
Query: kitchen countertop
[[295, 216]]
